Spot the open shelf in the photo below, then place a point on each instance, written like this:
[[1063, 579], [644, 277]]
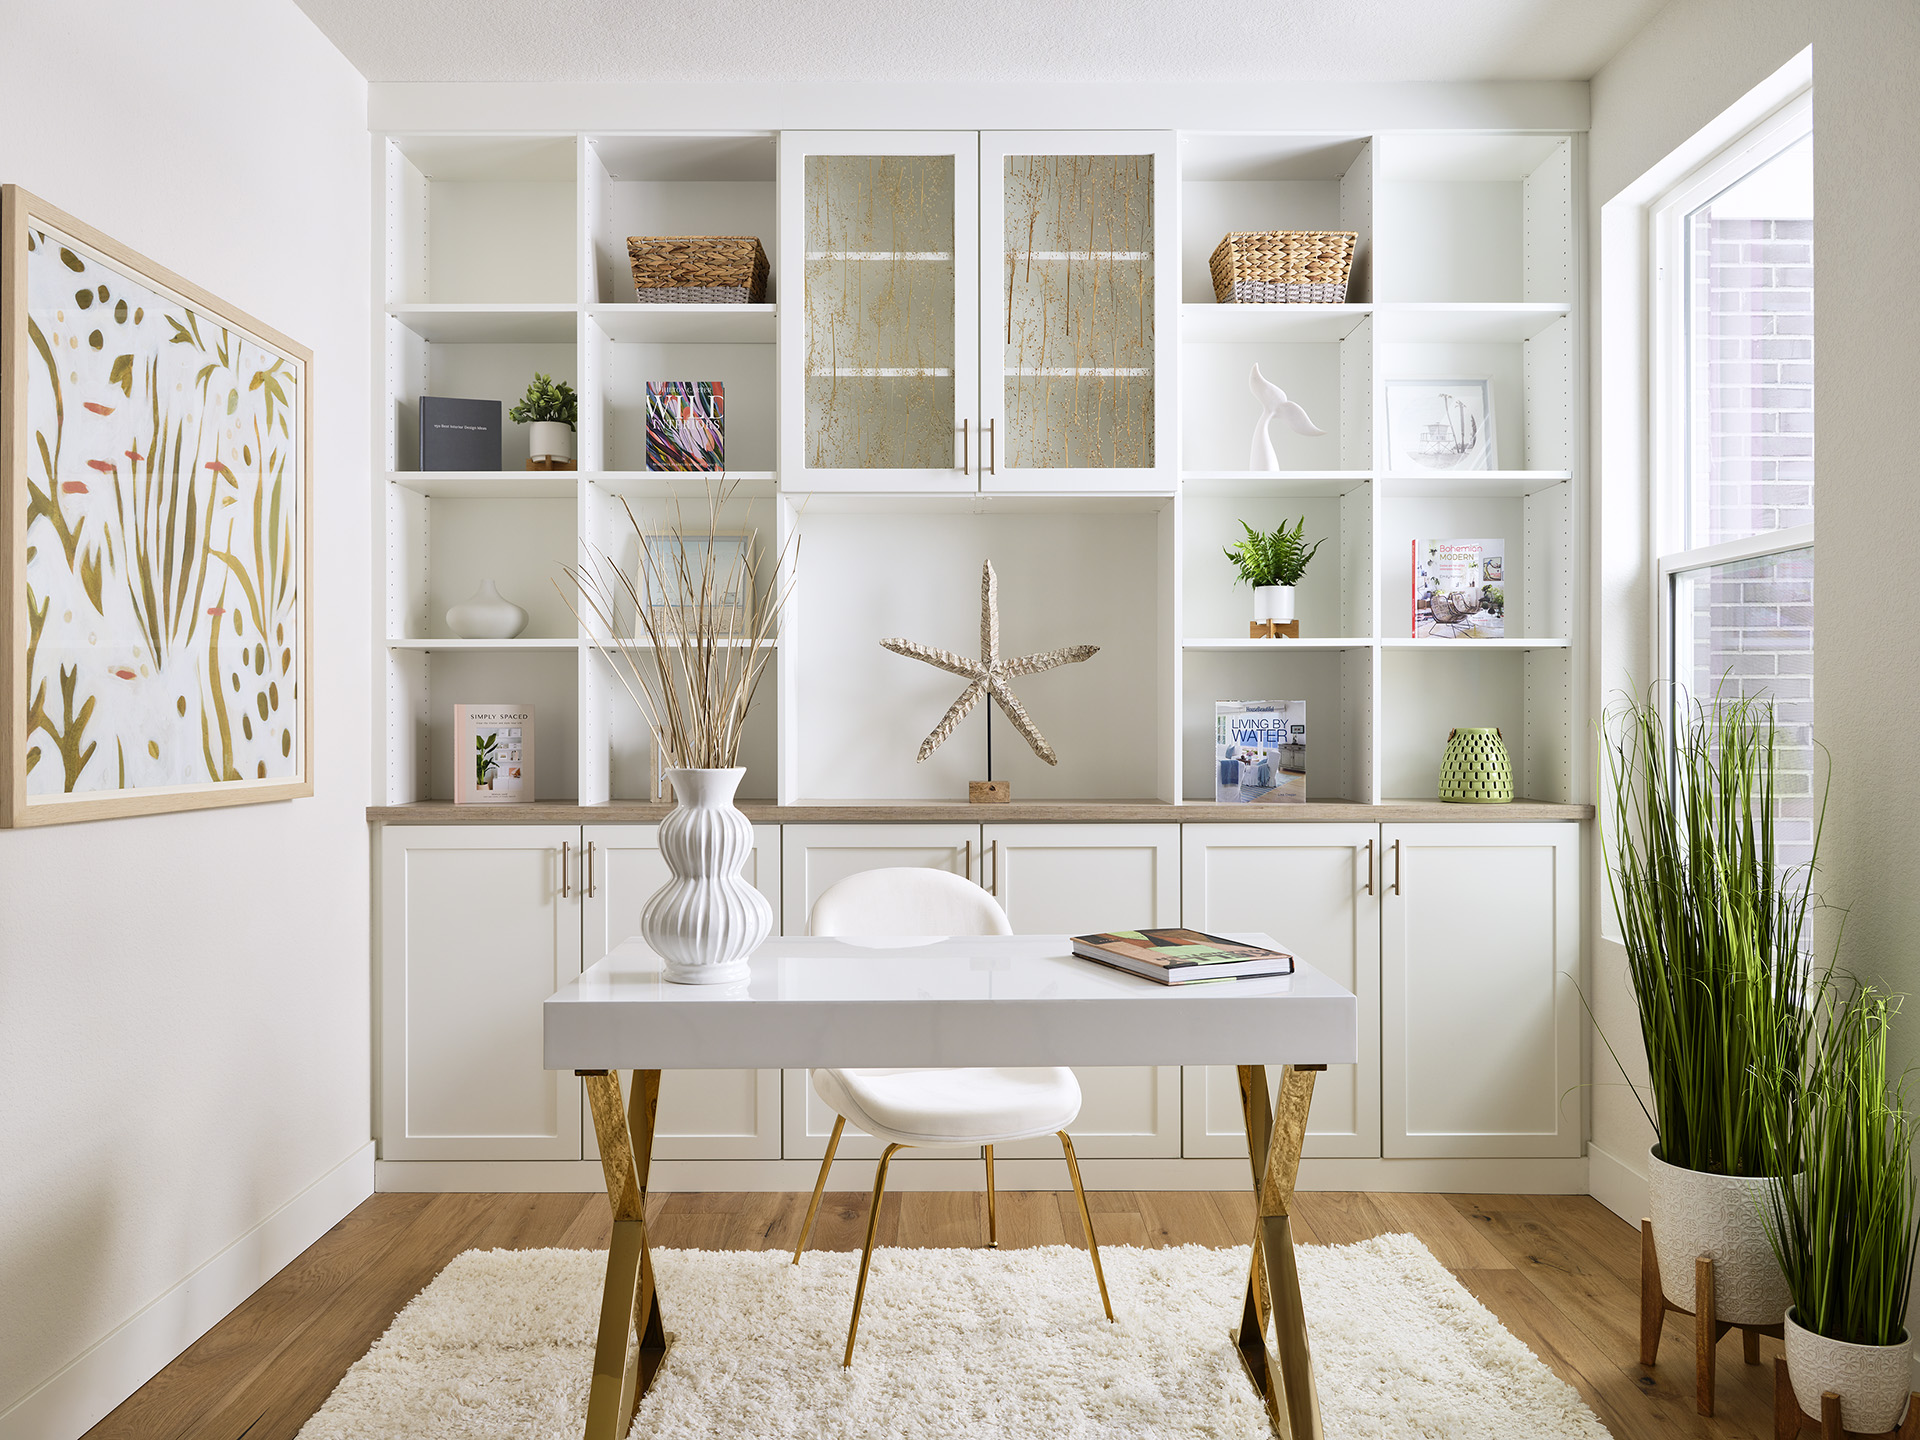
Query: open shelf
[[1470, 484], [480, 219], [1248, 324], [1513, 320], [483, 324], [1545, 642], [1262, 647], [1271, 482], [501, 645], [488, 484], [688, 324]]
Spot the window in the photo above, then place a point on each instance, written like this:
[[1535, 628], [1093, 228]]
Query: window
[[1733, 464]]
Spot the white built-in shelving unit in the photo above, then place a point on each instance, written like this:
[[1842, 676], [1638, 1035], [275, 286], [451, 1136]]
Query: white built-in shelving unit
[[506, 254]]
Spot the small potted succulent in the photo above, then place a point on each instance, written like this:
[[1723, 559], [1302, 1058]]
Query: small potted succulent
[[1272, 563], [1844, 1234], [553, 411]]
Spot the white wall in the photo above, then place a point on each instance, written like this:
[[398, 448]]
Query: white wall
[[1692, 62], [184, 1011]]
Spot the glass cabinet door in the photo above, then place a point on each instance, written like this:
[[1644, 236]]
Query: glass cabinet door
[[1078, 319], [878, 340]]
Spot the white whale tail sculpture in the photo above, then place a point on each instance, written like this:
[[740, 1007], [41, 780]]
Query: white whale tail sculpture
[[1273, 401]]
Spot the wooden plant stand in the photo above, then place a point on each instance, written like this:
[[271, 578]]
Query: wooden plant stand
[[543, 463], [1273, 630], [1707, 1330], [1789, 1420]]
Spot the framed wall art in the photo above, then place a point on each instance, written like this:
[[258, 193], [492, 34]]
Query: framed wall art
[[156, 515], [1440, 425]]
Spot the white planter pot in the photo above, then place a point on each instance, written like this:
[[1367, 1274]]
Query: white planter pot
[[486, 615], [705, 920], [1718, 1216], [1872, 1381], [550, 440], [1273, 602]]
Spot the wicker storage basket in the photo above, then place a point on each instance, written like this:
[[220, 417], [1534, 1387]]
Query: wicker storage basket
[[698, 269], [1278, 267]]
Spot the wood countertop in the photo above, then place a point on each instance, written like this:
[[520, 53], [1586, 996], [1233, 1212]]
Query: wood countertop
[[1030, 812]]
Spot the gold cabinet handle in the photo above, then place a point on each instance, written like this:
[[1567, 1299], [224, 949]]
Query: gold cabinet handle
[[565, 862], [993, 456], [1369, 867], [589, 869], [966, 858], [1396, 867], [966, 455], [995, 890]]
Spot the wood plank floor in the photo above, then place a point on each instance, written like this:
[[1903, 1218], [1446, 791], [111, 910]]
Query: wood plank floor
[[1561, 1272]]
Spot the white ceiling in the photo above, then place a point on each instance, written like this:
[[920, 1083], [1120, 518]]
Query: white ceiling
[[979, 40]]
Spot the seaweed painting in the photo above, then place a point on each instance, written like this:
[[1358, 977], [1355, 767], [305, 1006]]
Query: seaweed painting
[[164, 513]]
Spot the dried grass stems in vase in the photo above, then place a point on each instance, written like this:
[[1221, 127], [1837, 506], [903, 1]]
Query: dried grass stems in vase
[[696, 655]]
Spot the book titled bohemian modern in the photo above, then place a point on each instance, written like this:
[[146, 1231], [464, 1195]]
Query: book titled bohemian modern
[[493, 754], [1459, 589], [1178, 957], [1260, 752]]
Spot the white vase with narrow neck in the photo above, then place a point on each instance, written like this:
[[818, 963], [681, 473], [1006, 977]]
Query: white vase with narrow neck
[[706, 920], [486, 615]]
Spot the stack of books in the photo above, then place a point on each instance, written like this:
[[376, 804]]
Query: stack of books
[[1180, 957]]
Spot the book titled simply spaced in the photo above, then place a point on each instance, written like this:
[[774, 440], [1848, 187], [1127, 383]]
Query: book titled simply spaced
[[1180, 957]]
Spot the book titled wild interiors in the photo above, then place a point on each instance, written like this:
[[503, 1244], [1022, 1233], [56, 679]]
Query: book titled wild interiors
[[686, 425], [1179, 957], [1260, 752], [1459, 589]]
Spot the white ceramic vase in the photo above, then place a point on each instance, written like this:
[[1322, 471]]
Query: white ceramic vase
[[486, 615], [1695, 1214], [707, 919], [1273, 602], [550, 440], [1872, 1381]]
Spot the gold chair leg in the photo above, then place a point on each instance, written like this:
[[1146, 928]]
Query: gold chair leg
[[866, 1255], [1086, 1220], [993, 1229], [819, 1186]]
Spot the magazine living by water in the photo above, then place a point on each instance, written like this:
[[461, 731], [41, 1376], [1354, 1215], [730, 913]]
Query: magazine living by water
[[1260, 751]]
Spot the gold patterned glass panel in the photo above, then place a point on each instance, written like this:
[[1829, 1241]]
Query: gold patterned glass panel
[[879, 319], [1077, 286]]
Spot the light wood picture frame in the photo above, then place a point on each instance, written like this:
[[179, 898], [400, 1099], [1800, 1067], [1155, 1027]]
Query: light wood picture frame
[[156, 519]]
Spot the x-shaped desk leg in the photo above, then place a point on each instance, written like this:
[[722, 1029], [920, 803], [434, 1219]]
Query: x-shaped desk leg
[[1273, 1148], [627, 1305]]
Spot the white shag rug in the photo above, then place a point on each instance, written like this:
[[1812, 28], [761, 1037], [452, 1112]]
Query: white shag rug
[[978, 1344]]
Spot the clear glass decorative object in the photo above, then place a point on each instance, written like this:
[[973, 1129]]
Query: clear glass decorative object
[[1077, 305], [879, 297]]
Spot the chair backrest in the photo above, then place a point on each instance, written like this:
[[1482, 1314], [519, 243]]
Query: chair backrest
[[909, 900]]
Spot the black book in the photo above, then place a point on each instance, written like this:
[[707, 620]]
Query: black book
[[459, 434]]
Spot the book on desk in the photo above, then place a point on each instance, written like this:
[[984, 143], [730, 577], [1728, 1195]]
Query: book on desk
[[1180, 957]]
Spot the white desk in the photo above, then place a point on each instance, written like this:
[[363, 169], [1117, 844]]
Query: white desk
[[989, 1000]]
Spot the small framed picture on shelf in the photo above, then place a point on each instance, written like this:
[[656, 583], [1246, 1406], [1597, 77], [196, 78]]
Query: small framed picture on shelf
[[492, 754], [1440, 425], [686, 425], [682, 575]]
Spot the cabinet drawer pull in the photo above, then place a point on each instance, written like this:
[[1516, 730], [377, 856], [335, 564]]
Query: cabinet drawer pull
[[1396, 867], [966, 858], [1369, 867], [995, 889], [966, 460], [993, 456], [565, 862], [589, 869]]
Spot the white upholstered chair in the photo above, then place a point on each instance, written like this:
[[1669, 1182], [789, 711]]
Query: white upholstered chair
[[984, 1107]]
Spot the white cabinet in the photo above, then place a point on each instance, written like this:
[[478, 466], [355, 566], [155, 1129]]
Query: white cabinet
[[1073, 879], [1315, 889], [704, 1114], [1480, 1009], [478, 925]]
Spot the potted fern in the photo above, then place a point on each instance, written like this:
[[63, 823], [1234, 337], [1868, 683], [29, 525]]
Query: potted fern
[[1844, 1234], [1714, 932], [1272, 563], [552, 411]]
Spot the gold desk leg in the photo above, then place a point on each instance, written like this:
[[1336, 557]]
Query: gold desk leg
[[627, 1305], [866, 1255], [819, 1186], [1288, 1387], [1086, 1220], [993, 1228]]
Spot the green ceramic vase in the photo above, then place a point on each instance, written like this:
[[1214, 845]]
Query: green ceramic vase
[[1475, 770]]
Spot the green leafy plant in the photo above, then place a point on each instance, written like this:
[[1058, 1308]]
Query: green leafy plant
[[1713, 929], [1844, 1230], [547, 401], [1277, 558], [485, 759], [1494, 600]]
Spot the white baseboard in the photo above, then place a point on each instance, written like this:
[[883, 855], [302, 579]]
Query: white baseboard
[[79, 1396], [1486, 1177], [1617, 1185]]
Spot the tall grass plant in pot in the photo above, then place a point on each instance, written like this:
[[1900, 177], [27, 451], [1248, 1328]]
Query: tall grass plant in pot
[[691, 667], [1715, 935], [1844, 1232]]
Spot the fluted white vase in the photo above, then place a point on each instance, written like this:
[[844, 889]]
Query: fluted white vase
[[705, 920]]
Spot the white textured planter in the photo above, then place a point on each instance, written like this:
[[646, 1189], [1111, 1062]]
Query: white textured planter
[[550, 440], [1872, 1381], [1718, 1216], [705, 920], [486, 615], [1273, 602]]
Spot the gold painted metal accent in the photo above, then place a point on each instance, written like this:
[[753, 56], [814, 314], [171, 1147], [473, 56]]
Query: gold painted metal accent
[[564, 863], [819, 1185], [993, 1229], [1396, 867], [966, 858], [1369, 867], [866, 1255], [628, 1303], [589, 869], [993, 447], [966, 459], [1086, 1221]]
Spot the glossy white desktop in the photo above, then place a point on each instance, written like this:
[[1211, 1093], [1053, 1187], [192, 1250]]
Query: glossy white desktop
[[979, 1000]]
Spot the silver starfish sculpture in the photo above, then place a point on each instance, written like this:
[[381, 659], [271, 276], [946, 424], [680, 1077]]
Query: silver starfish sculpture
[[989, 674]]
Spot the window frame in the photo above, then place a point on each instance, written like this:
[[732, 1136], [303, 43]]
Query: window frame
[[1669, 380]]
